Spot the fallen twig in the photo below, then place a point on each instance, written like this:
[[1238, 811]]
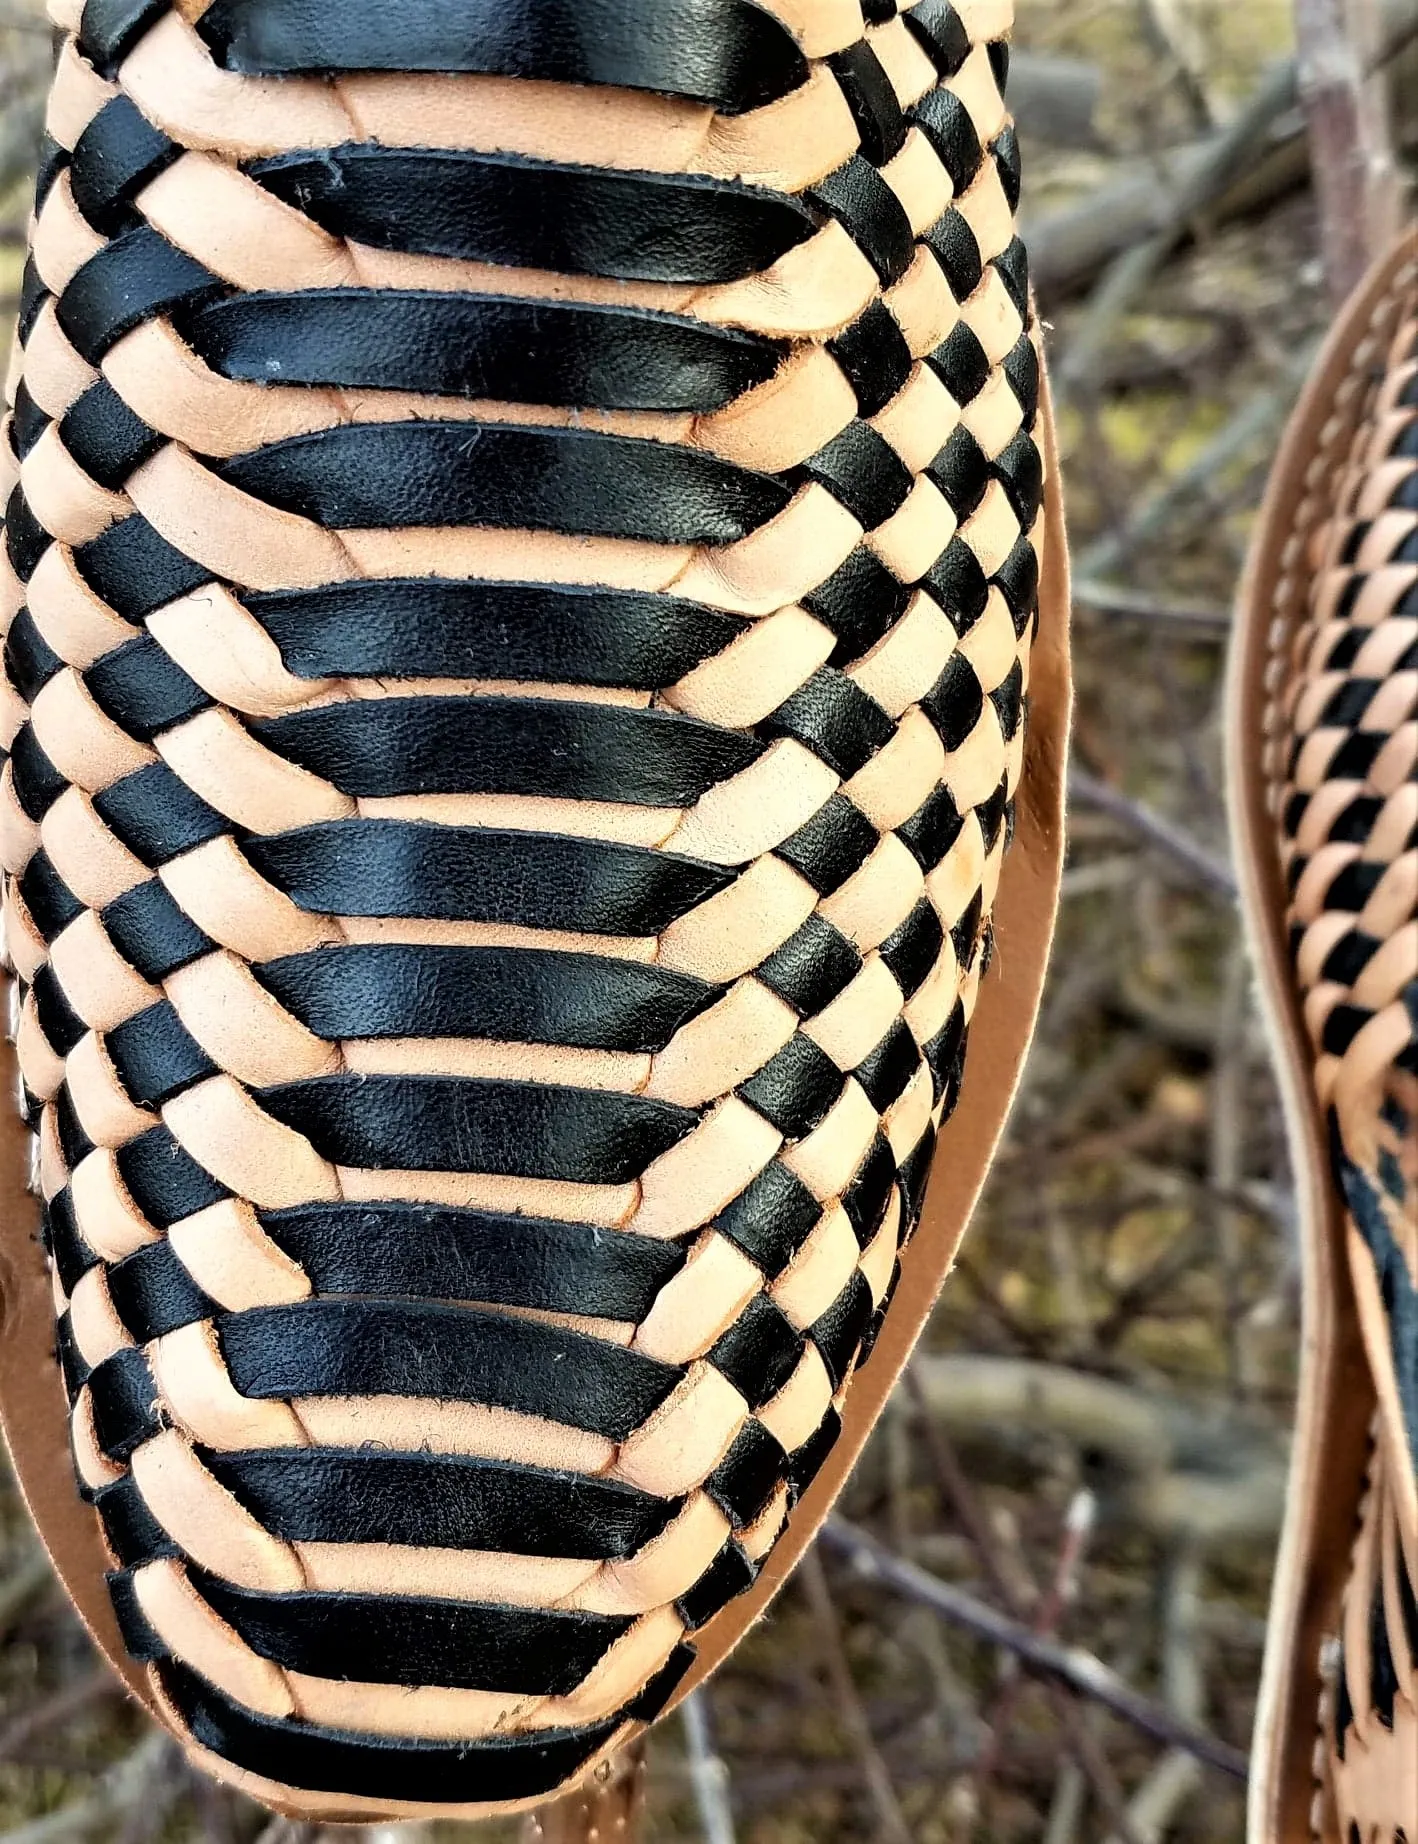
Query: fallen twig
[[1179, 1470], [955, 1486], [1158, 831], [708, 1774], [1355, 175], [1195, 622], [891, 1822], [1080, 1671]]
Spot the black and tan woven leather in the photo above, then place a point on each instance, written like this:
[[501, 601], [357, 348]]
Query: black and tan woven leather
[[1340, 761], [520, 577]]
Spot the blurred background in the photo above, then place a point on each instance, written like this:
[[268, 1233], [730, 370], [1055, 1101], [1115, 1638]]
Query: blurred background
[[1092, 1440]]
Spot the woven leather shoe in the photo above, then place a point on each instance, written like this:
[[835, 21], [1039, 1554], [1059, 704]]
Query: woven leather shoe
[[1324, 727], [526, 657]]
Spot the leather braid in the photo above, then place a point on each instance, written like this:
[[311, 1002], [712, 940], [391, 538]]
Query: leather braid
[[519, 600], [1343, 767]]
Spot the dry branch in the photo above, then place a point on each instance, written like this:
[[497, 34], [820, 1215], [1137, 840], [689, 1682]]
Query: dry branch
[[1355, 176], [1082, 1673], [1176, 1470]]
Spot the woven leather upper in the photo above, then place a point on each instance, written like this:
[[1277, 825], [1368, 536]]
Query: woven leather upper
[[520, 582]]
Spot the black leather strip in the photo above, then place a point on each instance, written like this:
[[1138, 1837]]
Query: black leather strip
[[961, 363], [425, 1251], [52, 905], [143, 688], [495, 346], [759, 1352], [134, 1534], [1021, 471], [151, 932], [139, 1637], [396, 1639], [157, 816], [74, 1142], [835, 718], [104, 436], [839, 1331], [134, 570], [867, 1196], [37, 782], [887, 1070], [108, 29], [71, 1255], [513, 995], [155, 1056], [1005, 148], [955, 247], [1017, 579], [542, 880], [71, 1364], [434, 628], [450, 1353], [954, 703], [912, 949], [440, 1501], [876, 111], [874, 355], [26, 540], [379, 1766], [166, 1183], [1012, 266], [771, 1219], [51, 162], [871, 214], [745, 1479], [835, 842], [649, 1704], [364, 476], [958, 585], [947, 126], [30, 661], [724, 52], [812, 966], [1008, 700], [154, 1294], [136, 277], [114, 158], [860, 601], [555, 747], [1021, 367], [961, 471], [124, 1398], [808, 1461], [28, 421], [531, 214], [863, 471], [940, 29], [946, 1050], [455, 1124], [729, 1575], [795, 1089]]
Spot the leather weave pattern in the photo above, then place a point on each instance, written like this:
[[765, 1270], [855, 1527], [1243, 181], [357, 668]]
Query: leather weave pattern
[[1343, 765], [519, 582]]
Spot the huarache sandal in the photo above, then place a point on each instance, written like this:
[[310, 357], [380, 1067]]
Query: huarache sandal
[[1323, 723], [536, 607]]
